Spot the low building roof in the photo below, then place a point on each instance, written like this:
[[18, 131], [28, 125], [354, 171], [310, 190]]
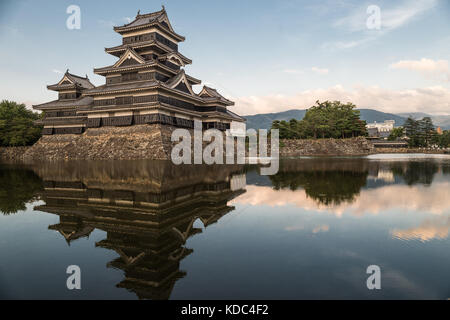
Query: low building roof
[[73, 81], [120, 48], [208, 93], [175, 54], [83, 101], [122, 86]]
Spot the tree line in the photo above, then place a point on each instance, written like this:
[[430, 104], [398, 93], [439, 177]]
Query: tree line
[[17, 188], [329, 119], [422, 133], [17, 126]]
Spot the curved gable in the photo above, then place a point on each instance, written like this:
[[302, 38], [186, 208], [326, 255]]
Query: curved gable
[[180, 82], [175, 59], [65, 80], [164, 20], [129, 57]]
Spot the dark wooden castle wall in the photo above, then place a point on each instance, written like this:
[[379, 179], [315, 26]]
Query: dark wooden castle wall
[[148, 37]]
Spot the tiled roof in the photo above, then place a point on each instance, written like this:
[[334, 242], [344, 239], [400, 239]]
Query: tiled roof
[[142, 19], [82, 82], [234, 115], [84, 101], [113, 67], [149, 19], [170, 83], [124, 47], [213, 94], [120, 68], [175, 78], [182, 57], [122, 86]]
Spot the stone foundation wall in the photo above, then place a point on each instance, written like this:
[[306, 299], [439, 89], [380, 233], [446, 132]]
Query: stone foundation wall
[[412, 150], [325, 147], [106, 143], [12, 153], [153, 142]]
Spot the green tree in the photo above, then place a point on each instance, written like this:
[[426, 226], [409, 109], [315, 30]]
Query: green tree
[[396, 133], [416, 172], [412, 132], [17, 126], [18, 187], [410, 127], [421, 133], [329, 119], [328, 187], [443, 140], [428, 131]]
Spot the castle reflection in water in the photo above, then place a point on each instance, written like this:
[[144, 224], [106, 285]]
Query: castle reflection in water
[[149, 209]]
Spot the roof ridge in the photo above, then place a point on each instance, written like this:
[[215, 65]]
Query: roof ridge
[[207, 87], [175, 77], [77, 76], [151, 14], [134, 51], [145, 15], [71, 76]]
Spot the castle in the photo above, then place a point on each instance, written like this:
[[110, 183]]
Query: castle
[[146, 86]]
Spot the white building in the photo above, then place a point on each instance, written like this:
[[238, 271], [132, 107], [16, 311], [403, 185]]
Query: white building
[[384, 128]]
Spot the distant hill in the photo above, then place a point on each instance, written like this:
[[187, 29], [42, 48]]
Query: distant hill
[[415, 115], [264, 121], [442, 121], [371, 115]]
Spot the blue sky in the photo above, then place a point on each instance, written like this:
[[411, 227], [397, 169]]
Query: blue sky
[[267, 56]]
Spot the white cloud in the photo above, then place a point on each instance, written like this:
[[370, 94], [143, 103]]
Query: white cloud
[[397, 17], [432, 100], [391, 19], [319, 70], [342, 45], [427, 67], [57, 71], [423, 65], [127, 19]]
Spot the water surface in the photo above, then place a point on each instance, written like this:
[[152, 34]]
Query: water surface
[[152, 230]]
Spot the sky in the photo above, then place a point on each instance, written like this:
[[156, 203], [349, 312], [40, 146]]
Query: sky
[[267, 56]]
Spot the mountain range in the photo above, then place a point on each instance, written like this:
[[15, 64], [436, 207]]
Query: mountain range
[[264, 120]]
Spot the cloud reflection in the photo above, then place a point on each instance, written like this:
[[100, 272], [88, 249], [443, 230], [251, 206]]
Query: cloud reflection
[[432, 199], [437, 228]]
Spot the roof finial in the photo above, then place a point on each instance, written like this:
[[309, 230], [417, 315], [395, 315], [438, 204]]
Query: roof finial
[[86, 76], [67, 71], [163, 8], [139, 12]]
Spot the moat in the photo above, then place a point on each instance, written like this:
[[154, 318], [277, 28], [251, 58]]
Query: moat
[[153, 230]]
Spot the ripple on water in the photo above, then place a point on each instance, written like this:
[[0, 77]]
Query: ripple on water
[[407, 156]]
